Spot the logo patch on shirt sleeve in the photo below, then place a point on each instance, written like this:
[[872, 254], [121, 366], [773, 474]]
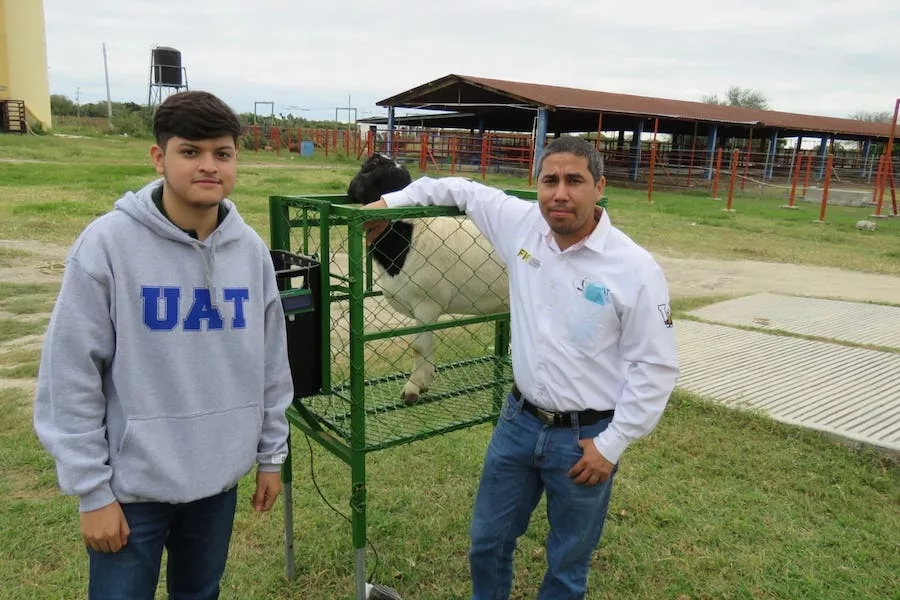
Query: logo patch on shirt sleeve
[[666, 312]]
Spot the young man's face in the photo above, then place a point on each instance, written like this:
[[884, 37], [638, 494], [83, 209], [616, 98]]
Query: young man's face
[[567, 196], [198, 173]]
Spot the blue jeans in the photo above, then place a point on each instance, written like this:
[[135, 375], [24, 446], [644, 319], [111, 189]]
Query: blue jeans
[[525, 458], [196, 536]]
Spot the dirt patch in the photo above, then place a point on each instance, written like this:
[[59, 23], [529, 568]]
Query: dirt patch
[[26, 318], [686, 276], [261, 165], [27, 485], [28, 385], [43, 263], [689, 277], [26, 342], [24, 161]]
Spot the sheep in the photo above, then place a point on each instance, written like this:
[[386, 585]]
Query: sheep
[[428, 267]]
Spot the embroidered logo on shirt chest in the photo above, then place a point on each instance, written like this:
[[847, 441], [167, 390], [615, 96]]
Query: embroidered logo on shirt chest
[[590, 291], [528, 258]]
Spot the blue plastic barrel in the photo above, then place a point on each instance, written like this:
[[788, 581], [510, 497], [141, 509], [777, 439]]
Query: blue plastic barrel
[[307, 148]]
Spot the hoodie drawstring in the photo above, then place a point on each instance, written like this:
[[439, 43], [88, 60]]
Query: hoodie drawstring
[[209, 262]]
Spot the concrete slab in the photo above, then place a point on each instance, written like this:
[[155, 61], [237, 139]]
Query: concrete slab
[[854, 322], [838, 196], [691, 277], [850, 392]]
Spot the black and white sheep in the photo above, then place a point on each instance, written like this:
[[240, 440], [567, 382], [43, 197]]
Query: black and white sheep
[[428, 267]]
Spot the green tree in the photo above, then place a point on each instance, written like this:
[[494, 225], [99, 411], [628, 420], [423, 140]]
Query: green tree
[[873, 117], [288, 120], [62, 106], [739, 96]]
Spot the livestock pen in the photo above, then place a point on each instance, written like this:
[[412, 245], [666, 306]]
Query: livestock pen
[[363, 358]]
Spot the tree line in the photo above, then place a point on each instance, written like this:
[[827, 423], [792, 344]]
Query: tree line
[[751, 98], [134, 119]]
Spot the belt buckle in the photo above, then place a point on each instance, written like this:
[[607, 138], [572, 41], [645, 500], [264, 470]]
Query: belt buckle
[[546, 416]]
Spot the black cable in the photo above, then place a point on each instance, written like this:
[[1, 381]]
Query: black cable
[[312, 473]]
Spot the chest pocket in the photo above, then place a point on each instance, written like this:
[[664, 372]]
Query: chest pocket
[[591, 321]]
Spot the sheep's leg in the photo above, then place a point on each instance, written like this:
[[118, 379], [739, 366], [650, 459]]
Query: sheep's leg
[[423, 369], [422, 346]]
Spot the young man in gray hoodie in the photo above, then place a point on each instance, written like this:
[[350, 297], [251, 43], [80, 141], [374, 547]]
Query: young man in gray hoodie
[[164, 376]]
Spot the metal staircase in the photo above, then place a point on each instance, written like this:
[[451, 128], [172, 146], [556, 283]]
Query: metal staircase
[[12, 116]]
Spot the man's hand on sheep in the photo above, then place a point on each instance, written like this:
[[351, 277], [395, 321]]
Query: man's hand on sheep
[[375, 228]]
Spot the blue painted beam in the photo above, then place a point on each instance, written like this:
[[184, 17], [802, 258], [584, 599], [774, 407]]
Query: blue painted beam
[[866, 150], [540, 136], [636, 147], [823, 158], [480, 139], [798, 156], [390, 132], [711, 150], [770, 157]]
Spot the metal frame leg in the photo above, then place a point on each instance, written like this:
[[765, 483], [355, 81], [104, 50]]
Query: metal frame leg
[[359, 572], [289, 533], [287, 477]]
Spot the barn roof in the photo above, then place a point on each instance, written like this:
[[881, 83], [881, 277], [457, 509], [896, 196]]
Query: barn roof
[[501, 105]]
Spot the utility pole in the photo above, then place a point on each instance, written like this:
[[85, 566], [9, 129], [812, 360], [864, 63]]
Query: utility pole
[[108, 97], [78, 101], [349, 109], [350, 120], [271, 106]]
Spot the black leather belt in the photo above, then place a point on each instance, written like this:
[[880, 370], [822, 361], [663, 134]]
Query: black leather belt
[[561, 419]]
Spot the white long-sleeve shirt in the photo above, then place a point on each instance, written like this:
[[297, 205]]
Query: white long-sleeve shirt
[[591, 325]]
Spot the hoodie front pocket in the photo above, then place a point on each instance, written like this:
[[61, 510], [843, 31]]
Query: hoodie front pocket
[[182, 458]]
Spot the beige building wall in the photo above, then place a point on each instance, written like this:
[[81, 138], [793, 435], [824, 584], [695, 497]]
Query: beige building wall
[[23, 57], [4, 61]]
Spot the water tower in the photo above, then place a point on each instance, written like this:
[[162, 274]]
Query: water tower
[[24, 86], [167, 76]]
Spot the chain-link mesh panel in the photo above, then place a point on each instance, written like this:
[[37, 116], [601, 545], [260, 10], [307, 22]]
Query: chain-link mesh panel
[[439, 326]]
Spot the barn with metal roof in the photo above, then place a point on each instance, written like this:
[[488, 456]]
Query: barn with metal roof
[[481, 104]]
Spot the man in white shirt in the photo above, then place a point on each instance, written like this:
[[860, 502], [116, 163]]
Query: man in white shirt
[[593, 356]]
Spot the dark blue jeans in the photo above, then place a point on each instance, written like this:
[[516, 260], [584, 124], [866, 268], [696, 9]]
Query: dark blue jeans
[[196, 536], [525, 459]]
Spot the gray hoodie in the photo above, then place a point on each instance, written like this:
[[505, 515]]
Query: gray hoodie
[[164, 375]]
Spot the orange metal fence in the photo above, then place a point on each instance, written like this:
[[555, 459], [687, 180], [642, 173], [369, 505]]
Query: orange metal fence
[[458, 151], [656, 164], [340, 142], [886, 170]]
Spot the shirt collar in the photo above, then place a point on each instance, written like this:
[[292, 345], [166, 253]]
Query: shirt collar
[[596, 241]]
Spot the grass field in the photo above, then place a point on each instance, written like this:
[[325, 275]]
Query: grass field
[[714, 504]]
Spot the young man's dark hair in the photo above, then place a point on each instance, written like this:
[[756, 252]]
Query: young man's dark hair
[[194, 116]]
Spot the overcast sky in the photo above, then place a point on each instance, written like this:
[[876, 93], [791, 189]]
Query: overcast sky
[[825, 57]]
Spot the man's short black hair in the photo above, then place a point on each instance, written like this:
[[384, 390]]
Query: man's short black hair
[[194, 116], [579, 147]]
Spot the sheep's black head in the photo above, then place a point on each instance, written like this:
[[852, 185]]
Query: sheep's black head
[[379, 175]]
